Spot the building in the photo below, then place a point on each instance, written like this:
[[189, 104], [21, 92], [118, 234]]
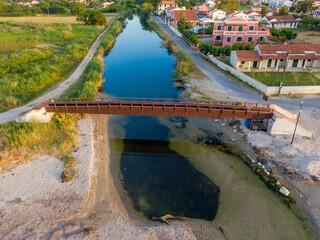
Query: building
[[165, 4], [231, 30], [191, 16], [254, 15], [106, 4], [237, 14], [280, 22], [217, 14], [271, 57], [201, 10]]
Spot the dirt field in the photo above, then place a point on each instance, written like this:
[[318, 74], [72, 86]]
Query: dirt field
[[311, 37], [42, 19], [51, 19]]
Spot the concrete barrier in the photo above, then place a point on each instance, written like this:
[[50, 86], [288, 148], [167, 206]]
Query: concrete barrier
[[283, 111], [280, 125], [36, 115]]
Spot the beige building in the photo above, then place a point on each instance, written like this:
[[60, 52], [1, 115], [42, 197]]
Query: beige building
[[270, 57]]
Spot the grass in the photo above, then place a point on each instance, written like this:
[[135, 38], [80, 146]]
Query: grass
[[244, 8], [20, 142], [34, 56], [290, 78]]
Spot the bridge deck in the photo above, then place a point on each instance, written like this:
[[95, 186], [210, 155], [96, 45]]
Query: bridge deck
[[158, 107]]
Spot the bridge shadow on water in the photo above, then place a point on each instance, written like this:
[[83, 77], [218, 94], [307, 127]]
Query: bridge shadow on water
[[158, 180]]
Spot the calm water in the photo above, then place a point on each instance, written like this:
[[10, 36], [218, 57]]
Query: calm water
[[163, 168]]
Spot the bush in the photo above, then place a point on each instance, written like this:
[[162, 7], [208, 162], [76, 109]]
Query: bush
[[68, 175], [192, 37]]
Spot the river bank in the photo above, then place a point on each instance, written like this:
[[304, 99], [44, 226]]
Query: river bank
[[295, 166]]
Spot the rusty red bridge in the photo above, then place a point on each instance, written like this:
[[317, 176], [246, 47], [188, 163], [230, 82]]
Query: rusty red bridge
[[158, 107]]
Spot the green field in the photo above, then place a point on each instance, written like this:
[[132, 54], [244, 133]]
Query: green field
[[244, 8], [290, 78], [33, 56]]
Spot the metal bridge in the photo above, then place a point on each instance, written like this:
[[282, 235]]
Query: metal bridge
[[158, 107]]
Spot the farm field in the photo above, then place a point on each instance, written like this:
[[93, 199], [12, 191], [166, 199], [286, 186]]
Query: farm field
[[50, 19], [42, 19], [33, 56]]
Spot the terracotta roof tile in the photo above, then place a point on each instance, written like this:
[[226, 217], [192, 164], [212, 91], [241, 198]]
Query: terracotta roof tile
[[190, 15], [281, 18], [248, 55]]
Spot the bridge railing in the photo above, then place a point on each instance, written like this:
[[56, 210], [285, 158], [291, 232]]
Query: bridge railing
[[157, 100]]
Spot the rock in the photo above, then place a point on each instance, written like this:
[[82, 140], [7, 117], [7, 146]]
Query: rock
[[223, 124], [259, 164], [222, 229], [232, 139], [284, 191]]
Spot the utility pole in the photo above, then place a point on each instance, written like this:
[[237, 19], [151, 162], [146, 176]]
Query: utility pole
[[295, 129], [284, 71]]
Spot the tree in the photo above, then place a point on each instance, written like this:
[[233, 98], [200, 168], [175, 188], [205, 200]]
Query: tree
[[283, 34], [264, 10], [304, 7], [93, 17], [146, 9], [228, 5], [130, 3], [77, 9], [283, 11], [250, 2], [183, 23]]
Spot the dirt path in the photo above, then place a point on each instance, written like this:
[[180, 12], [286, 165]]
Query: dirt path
[[58, 90]]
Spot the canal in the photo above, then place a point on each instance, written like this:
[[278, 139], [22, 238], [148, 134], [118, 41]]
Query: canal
[[163, 169]]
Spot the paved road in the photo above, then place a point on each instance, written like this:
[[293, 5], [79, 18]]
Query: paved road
[[232, 87], [56, 91]]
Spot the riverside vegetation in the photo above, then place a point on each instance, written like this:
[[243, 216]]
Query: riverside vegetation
[[20, 142], [34, 56]]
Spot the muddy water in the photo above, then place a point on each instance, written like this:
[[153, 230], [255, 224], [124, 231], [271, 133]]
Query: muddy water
[[162, 167]]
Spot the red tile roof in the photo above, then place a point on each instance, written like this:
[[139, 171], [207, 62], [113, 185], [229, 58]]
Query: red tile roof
[[190, 15], [299, 51], [167, 2], [281, 18], [170, 8], [248, 55]]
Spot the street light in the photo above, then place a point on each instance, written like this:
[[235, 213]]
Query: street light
[[294, 133]]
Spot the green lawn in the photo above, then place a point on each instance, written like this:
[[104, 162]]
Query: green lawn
[[33, 56], [290, 78], [244, 8]]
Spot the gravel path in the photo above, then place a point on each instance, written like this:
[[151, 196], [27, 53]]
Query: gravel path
[[55, 91]]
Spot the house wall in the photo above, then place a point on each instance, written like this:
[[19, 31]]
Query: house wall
[[255, 34]]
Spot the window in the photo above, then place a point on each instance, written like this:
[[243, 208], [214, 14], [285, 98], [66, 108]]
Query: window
[[229, 28], [228, 39], [240, 29], [255, 64], [269, 63], [295, 63], [243, 62], [251, 28], [249, 39], [239, 39], [303, 62], [218, 28], [261, 39], [276, 62], [309, 60], [218, 38]]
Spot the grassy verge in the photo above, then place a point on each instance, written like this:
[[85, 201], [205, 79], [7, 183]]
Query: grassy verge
[[21, 142], [35, 56], [290, 78]]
